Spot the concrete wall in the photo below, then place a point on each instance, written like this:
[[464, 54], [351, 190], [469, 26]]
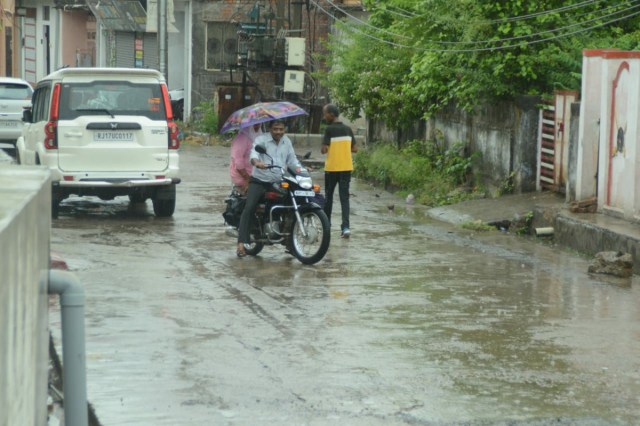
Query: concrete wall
[[25, 205], [314, 140], [608, 155], [505, 134], [76, 46], [525, 142], [314, 28], [572, 163], [589, 128]]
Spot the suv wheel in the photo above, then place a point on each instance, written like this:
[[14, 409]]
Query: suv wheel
[[55, 208], [56, 198], [164, 208], [164, 201]]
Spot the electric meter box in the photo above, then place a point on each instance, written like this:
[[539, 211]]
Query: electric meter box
[[294, 81], [294, 50]]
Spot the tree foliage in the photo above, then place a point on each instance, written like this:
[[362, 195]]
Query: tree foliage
[[414, 57]]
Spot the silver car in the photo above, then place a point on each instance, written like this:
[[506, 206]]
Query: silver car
[[15, 96]]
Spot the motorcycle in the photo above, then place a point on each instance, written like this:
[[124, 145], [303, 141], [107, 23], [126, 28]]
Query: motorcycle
[[290, 214]]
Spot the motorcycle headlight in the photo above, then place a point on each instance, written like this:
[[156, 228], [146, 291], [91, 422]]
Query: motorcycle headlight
[[305, 182]]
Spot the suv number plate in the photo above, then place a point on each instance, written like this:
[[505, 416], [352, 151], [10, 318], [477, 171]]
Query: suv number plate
[[304, 193], [113, 136]]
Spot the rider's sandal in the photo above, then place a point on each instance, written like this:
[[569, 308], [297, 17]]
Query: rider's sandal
[[241, 253]]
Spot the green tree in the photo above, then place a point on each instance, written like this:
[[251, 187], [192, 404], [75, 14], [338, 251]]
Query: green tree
[[368, 75], [412, 58]]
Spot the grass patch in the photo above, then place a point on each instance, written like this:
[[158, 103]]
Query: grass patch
[[478, 225], [435, 176]]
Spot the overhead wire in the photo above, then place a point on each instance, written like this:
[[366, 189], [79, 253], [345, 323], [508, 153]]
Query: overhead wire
[[493, 48], [511, 18], [546, 12], [527, 36], [394, 12], [366, 24], [554, 30]]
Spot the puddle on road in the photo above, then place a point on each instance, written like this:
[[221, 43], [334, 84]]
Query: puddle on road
[[516, 330], [7, 155], [408, 321], [513, 334], [74, 208]]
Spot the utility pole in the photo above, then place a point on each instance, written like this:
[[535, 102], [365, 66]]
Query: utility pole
[[296, 18], [162, 38], [280, 13]]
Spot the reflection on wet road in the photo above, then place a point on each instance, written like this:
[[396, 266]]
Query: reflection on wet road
[[6, 154], [409, 322]]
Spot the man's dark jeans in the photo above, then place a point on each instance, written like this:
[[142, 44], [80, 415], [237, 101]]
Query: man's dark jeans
[[255, 192], [342, 179]]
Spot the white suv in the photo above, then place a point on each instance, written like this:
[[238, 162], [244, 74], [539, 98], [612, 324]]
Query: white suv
[[15, 95], [104, 132]]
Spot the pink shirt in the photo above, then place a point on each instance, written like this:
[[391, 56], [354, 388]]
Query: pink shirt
[[240, 150]]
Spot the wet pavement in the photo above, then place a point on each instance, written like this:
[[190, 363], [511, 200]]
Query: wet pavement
[[6, 154], [411, 321]]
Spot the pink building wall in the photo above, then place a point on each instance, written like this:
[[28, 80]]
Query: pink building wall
[[78, 39]]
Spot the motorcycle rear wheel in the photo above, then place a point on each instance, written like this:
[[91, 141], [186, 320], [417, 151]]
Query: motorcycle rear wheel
[[312, 248]]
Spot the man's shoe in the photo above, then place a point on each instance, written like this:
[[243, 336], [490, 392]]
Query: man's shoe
[[345, 233]]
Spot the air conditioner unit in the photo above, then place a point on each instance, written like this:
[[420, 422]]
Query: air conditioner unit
[[294, 51], [294, 81]]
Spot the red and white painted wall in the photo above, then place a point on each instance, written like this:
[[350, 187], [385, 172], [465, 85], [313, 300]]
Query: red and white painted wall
[[608, 153]]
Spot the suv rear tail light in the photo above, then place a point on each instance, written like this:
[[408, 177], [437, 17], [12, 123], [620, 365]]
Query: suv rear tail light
[[50, 135], [174, 141], [51, 129]]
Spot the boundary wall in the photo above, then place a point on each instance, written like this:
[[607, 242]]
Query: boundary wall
[[608, 157], [505, 134], [25, 223]]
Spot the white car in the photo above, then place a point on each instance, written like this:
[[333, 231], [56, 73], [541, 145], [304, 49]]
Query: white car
[[15, 95], [104, 132]]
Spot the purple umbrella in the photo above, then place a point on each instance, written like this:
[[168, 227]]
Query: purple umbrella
[[261, 113]]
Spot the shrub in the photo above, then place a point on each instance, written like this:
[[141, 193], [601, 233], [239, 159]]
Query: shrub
[[436, 176], [205, 118]]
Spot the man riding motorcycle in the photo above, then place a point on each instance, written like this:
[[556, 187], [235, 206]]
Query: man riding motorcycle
[[278, 148]]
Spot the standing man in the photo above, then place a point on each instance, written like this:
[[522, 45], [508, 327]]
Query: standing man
[[280, 150], [338, 144]]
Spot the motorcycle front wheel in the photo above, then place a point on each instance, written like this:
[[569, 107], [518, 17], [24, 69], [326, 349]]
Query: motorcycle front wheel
[[253, 249], [311, 248]]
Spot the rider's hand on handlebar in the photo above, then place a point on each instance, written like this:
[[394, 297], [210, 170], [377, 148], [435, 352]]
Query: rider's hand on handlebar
[[261, 165]]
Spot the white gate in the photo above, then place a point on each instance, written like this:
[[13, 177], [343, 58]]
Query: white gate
[[553, 142]]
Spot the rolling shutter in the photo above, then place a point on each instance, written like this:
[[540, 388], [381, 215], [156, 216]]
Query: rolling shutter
[[150, 58], [125, 49]]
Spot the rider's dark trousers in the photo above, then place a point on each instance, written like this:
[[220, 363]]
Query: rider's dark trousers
[[256, 190], [342, 179]]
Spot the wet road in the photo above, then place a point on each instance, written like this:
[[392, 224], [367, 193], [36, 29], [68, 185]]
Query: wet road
[[411, 321]]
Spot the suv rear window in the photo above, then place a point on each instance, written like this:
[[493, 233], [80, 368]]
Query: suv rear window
[[114, 97], [14, 91]]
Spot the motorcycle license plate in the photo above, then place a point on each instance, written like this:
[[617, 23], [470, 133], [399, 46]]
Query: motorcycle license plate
[[304, 193]]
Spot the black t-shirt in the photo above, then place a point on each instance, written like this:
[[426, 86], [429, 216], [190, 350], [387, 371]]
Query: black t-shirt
[[339, 139], [337, 129]]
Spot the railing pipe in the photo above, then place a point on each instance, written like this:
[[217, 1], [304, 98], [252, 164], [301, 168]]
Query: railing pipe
[[74, 377]]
